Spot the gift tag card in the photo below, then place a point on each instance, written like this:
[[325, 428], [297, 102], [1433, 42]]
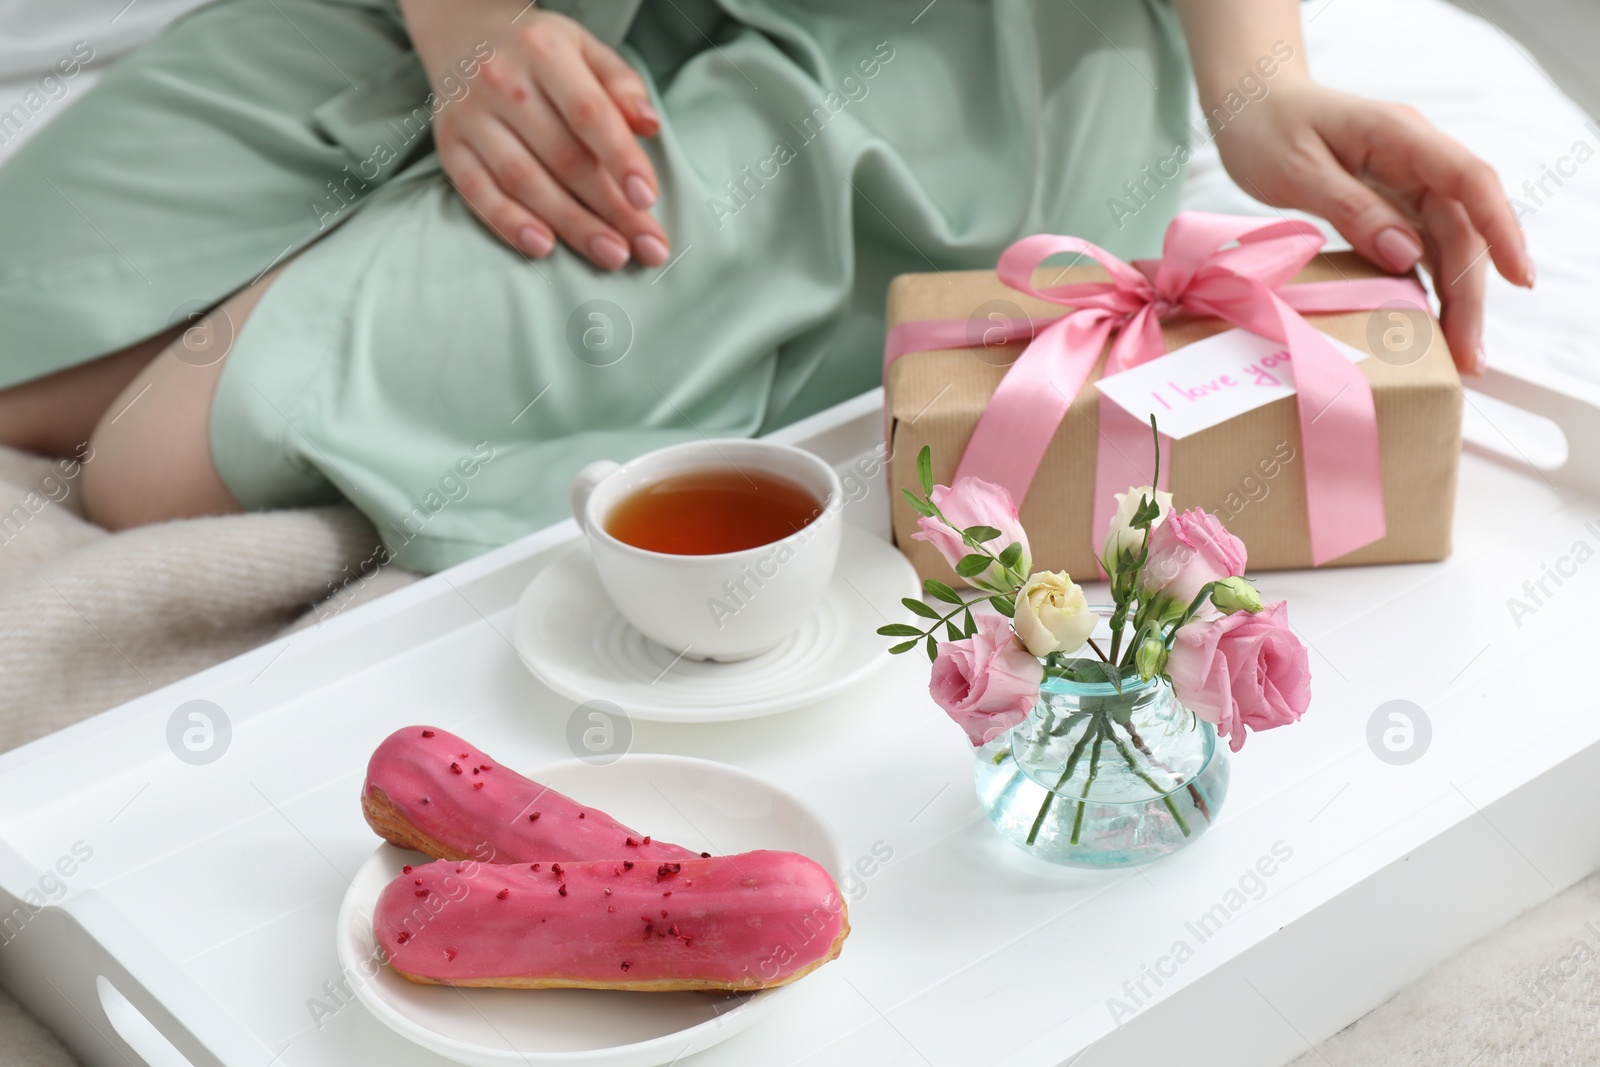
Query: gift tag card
[[1209, 382]]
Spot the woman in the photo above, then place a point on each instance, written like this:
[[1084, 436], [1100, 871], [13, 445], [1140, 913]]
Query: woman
[[451, 253]]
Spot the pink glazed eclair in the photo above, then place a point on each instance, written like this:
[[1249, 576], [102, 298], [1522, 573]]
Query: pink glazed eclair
[[430, 791], [725, 924]]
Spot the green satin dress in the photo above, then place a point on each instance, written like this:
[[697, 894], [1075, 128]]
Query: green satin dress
[[410, 361]]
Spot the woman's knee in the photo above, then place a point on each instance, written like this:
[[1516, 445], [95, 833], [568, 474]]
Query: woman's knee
[[152, 447]]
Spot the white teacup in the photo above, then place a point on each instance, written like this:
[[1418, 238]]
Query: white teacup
[[727, 606]]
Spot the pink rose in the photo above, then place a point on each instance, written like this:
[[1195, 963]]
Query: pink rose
[[988, 682], [1241, 670], [1188, 550], [975, 502]]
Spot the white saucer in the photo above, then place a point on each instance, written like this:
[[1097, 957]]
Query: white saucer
[[695, 803], [574, 640]]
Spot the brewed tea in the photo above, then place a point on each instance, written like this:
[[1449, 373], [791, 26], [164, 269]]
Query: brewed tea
[[700, 513]]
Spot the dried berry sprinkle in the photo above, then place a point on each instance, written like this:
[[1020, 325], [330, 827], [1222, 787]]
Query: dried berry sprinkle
[[427, 733], [627, 865], [402, 937], [484, 767], [502, 894], [563, 889], [705, 855], [425, 800], [668, 869], [647, 839], [455, 768], [416, 881], [667, 893], [477, 770], [608, 891], [406, 869], [477, 785], [533, 866], [611, 907], [555, 869], [422, 892], [534, 817], [663, 913], [580, 814], [631, 843], [463, 755], [625, 964], [449, 954]]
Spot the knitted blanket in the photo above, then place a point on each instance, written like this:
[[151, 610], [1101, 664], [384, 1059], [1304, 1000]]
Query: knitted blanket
[[90, 619]]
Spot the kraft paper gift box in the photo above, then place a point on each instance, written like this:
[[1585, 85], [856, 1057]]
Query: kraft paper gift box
[[1246, 470]]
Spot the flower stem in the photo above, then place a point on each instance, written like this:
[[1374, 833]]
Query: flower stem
[[1166, 798], [1101, 731], [1066, 772], [1194, 792]]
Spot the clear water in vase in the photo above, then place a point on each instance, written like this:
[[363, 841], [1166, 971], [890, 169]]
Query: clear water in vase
[[1097, 777]]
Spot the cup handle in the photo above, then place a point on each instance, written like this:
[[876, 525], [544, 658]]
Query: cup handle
[[583, 484]]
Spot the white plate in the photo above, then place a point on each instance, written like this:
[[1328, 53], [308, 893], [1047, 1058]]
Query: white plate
[[696, 803], [572, 638]]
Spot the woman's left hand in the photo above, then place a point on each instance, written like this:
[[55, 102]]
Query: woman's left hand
[[1398, 189]]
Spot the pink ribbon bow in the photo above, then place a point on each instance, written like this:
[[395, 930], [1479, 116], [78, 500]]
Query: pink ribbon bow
[[1245, 284]]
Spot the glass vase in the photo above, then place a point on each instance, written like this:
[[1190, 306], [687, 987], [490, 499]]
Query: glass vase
[[1098, 776]]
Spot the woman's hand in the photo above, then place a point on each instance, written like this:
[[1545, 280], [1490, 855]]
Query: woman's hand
[[1398, 189], [542, 144]]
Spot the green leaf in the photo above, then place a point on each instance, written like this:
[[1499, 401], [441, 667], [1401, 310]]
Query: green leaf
[[925, 469], [917, 607], [972, 625], [1146, 513], [973, 565], [1004, 606], [939, 591], [899, 629], [933, 649], [920, 506], [904, 646], [1088, 671], [951, 632], [1012, 555], [977, 535]]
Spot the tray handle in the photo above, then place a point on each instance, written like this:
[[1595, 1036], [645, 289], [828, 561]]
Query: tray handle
[[1573, 405], [135, 1029]]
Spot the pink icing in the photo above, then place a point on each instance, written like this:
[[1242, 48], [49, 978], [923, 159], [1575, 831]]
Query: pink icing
[[751, 919], [461, 799]]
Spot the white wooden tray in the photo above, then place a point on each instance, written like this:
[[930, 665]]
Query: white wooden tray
[[188, 910]]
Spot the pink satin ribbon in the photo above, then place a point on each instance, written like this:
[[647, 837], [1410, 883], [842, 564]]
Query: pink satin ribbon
[[1245, 284]]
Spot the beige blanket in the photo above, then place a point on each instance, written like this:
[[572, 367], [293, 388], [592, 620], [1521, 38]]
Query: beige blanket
[[89, 619]]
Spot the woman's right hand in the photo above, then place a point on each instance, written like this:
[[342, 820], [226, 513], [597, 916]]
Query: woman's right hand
[[542, 144]]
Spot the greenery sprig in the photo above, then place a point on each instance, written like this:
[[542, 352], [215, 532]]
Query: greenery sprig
[[1001, 589]]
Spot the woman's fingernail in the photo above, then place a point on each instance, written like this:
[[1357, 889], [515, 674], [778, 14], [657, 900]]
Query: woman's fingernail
[[650, 250], [608, 251], [1529, 269], [640, 195], [1400, 251], [646, 113], [1480, 362], [535, 241]]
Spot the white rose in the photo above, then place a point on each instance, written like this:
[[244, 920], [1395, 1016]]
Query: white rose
[[1051, 614], [1120, 535]]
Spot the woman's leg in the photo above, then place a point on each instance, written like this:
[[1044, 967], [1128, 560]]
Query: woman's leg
[[150, 458], [54, 415]]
